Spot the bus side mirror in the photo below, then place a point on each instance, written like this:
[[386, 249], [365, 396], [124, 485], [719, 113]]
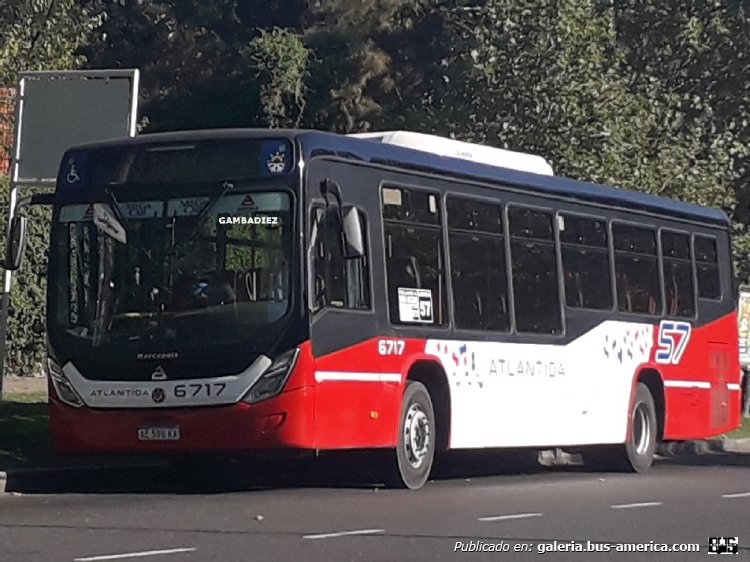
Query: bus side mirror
[[330, 187], [354, 244], [16, 243]]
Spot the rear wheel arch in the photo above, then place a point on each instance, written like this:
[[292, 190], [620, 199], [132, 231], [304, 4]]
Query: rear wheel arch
[[432, 375], [653, 380]]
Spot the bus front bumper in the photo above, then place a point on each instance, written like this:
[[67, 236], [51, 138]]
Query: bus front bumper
[[285, 421]]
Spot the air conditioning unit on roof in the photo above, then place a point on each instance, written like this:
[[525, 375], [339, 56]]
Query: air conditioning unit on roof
[[443, 146]]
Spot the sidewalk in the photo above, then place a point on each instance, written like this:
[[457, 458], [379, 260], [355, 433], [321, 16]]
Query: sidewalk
[[23, 385]]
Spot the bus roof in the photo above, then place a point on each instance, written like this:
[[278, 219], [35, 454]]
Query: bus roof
[[317, 143], [443, 146]]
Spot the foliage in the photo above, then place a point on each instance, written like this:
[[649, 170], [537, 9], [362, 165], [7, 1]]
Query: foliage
[[26, 351], [36, 35], [43, 35], [280, 60], [198, 60], [557, 77], [698, 54]]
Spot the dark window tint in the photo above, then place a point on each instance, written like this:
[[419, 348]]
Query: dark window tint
[[705, 249], [678, 274], [675, 245], [414, 257], [587, 278], [534, 269], [707, 268], [412, 206], [636, 270], [583, 231], [530, 223], [339, 282], [585, 261], [467, 214], [480, 292], [634, 239]]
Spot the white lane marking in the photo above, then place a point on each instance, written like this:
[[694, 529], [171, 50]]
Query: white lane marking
[[321, 376], [629, 505], [740, 495], [504, 517], [345, 533], [133, 554], [733, 386], [688, 384]]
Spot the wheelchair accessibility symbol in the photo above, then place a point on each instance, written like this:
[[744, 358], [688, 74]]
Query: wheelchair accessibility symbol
[[72, 176]]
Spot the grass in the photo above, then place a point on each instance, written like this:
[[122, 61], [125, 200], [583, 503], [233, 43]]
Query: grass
[[24, 438], [27, 397], [741, 432]]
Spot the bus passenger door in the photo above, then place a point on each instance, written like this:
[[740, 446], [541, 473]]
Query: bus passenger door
[[348, 390]]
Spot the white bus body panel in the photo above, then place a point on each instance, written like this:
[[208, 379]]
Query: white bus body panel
[[526, 395]]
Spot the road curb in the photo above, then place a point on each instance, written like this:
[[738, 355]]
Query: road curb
[[704, 447]]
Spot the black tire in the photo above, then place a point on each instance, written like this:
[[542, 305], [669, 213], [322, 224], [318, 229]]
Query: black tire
[[415, 451], [637, 453]]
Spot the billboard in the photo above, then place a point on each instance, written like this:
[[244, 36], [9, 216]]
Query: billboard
[[743, 318], [59, 109]]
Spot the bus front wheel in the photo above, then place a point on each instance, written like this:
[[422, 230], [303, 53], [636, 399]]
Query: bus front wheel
[[416, 437]]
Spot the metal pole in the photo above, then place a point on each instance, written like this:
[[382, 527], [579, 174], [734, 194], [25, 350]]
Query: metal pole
[[7, 286]]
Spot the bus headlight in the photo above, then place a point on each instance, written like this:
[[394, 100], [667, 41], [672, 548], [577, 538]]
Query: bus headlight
[[273, 379], [63, 388]]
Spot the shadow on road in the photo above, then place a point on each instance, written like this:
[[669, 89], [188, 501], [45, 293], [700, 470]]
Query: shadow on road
[[712, 459], [358, 470]]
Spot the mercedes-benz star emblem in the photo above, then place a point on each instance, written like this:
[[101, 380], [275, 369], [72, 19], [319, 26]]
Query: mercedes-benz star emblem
[[158, 395]]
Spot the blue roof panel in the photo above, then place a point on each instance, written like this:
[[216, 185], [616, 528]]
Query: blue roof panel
[[314, 142]]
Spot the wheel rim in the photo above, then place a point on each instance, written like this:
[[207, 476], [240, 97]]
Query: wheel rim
[[641, 429], [417, 435]]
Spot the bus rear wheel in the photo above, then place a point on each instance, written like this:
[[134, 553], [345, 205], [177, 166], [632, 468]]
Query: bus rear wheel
[[416, 437], [637, 454]]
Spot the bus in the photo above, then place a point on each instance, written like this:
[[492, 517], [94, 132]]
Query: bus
[[255, 290]]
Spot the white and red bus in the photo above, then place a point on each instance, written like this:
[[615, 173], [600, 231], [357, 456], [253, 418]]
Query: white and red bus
[[239, 290]]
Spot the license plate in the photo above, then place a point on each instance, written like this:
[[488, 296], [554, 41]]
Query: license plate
[[171, 433]]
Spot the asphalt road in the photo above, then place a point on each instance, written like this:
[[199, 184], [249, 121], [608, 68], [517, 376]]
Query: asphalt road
[[335, 510]]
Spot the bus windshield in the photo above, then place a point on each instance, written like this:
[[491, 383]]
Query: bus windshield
[[175, 274]]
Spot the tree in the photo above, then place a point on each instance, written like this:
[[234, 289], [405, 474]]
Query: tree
[[698, 54], [43, 35], [36, 35], [204, 64]]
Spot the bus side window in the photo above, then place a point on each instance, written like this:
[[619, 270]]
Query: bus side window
[[585, 259], [534, 268], [338, 282], [709, 285], [637, 270], [478, 264], [678, 274], [414, 254]]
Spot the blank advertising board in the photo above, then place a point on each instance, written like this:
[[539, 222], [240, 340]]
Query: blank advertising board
[[743, 318], [57, 110]]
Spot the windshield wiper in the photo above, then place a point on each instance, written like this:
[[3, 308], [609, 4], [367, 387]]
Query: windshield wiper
[[127, 226], [114, 206], [226, 187]]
